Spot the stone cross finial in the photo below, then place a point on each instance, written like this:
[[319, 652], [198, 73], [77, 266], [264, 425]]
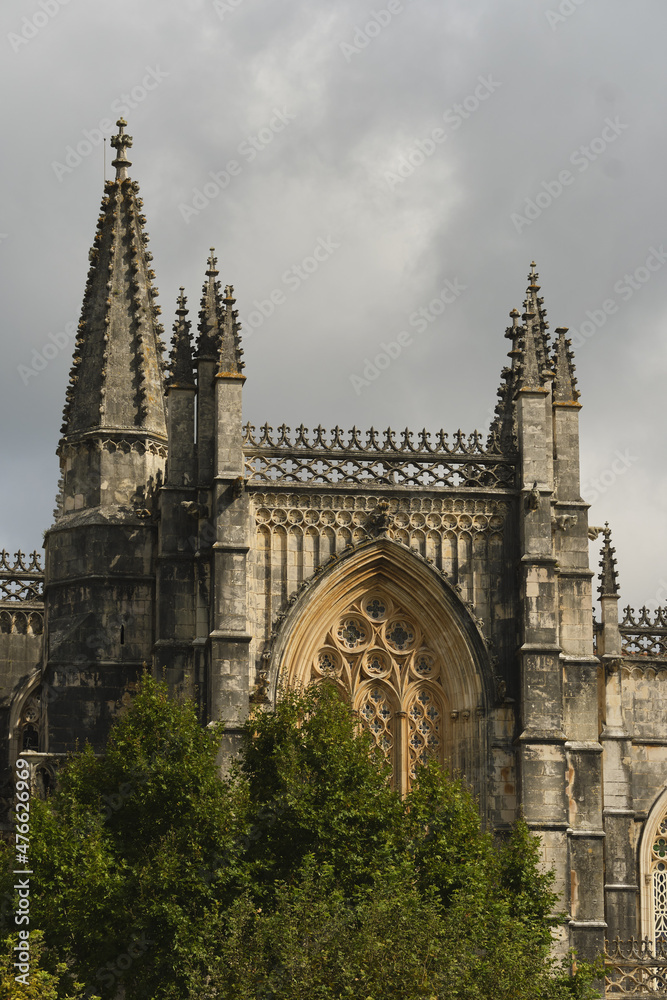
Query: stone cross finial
[[121, 142], [533, 277], [212, 271], [181, 310]]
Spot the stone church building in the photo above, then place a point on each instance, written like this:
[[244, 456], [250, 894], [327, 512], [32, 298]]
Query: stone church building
[[444, 581]]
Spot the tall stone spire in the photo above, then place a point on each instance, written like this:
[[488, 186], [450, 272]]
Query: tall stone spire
[[101, 551], [211, 319], [180, 359], [608, 573], [565, 390], [231, 351], [116, 382]]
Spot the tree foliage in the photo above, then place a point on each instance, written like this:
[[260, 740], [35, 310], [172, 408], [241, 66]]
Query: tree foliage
[[300, 875], [41, 984]]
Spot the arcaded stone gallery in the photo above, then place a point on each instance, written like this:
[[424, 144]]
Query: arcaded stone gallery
[[442, 580]]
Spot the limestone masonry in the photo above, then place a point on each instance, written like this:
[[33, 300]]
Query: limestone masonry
[[442, 580]]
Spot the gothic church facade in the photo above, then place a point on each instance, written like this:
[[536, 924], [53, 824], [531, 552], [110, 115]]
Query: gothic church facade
[[442, 581]]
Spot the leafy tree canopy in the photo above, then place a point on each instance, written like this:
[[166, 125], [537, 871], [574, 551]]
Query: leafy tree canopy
[[300, 875]]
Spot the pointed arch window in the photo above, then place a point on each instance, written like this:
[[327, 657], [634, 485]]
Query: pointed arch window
[[389, 672], [658, 882], [29, 723], [653, 874]]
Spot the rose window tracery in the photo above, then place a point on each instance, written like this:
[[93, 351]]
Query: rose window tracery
[[351, 633], [391, 674]]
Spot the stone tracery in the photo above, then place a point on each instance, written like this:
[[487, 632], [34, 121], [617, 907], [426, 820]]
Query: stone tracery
[[387, 669]]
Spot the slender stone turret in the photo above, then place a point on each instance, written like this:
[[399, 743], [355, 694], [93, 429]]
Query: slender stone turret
[[99, 587], [209, 344], [230, 638], [181, 392], [207, 354], [621, 887], [541, 742], [179, 516]]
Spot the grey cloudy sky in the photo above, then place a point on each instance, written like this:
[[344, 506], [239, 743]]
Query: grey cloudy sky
[[327, 113]]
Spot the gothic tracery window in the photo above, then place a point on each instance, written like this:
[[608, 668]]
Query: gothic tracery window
[[387, 670], [659, 881]]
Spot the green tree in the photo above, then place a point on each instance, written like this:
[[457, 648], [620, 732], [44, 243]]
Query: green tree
[[314, 786], [133, 847], [40, 984], [302, 875]]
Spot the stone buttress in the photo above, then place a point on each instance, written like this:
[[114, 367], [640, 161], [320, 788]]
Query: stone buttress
[[559, 751]]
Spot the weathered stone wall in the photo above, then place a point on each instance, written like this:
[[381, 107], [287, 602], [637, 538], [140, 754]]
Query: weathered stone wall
[[20, 656], [99, 597], [635, 777], [472, 539], [468, 538]]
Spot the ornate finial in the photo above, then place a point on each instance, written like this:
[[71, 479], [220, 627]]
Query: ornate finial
[[212, 271], [181, 308], [121, 142], [229, 294], [533, 277], [608, 575]]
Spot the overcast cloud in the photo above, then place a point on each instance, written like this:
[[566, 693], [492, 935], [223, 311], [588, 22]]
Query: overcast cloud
[[403, 139]]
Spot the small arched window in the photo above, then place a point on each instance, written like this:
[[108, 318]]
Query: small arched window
[[29, 737]]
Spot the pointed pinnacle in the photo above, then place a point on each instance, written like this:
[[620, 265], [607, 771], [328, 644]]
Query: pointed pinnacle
[[231, 351], [211, 312], [565, 390], [608, 574], [180, 358]]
